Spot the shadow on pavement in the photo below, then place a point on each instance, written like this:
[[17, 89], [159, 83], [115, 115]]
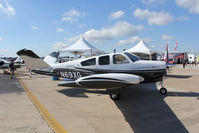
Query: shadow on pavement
[[143, 107], [146, 111], [183, 94], [73, 92], [79, 92], [8, 85], [179, 76]]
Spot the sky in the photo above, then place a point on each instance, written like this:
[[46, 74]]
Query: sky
[[50, 25]]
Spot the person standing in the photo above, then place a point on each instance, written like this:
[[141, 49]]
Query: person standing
[[184, 63], [12, 68]]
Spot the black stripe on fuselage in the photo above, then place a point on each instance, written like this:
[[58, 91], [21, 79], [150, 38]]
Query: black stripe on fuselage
[[45, 73], [101, 78], [148, 75]]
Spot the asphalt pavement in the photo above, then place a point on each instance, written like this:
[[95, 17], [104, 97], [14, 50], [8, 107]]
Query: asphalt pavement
[[17, 113]]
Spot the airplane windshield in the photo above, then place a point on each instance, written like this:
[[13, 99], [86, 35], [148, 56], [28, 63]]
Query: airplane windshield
[[132, 57]]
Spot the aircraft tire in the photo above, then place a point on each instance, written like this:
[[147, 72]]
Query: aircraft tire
[[115, 96], [163, 91]]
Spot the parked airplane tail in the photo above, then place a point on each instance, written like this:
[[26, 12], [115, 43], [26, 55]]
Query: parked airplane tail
[[32, 60], [176, 46], [51, 58], [18, 60], [166, 54], [166, 58]]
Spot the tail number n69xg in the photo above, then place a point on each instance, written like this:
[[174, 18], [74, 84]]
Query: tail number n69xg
[[71, 75]]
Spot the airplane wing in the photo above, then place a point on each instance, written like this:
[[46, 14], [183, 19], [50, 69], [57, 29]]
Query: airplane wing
[[104, 81]]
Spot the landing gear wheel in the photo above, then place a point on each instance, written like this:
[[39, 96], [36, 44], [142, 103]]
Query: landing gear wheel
[[163, 91], [115, 96]]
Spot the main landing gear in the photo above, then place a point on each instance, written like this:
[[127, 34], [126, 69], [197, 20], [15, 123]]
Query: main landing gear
[[162, 90], [114, 94]]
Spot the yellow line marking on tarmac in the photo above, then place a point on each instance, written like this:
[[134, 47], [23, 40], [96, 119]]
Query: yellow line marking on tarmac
[[53, 123]]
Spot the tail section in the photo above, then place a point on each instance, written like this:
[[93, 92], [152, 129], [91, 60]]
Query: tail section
[[166, 58], [176, 46], [166, 54], [51, 58], [18, 60], [32, 60]]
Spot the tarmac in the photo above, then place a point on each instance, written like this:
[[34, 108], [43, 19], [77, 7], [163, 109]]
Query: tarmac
[[141, 109], [17, 113]]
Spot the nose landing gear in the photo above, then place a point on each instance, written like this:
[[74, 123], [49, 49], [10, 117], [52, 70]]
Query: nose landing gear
[[162, 90]]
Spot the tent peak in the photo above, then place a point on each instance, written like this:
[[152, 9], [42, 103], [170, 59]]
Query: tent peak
[[140, 47], [81, 46]]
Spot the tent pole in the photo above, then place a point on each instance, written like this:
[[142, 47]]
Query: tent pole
[[150, 56]]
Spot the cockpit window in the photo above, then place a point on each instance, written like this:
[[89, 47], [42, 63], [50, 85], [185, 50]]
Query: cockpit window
[[132, 57], [119, 59], [104, 60], [89, 62]]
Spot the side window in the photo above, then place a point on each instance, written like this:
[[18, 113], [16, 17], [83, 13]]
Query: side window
[[89, 62], [104, 60], [119, 59]]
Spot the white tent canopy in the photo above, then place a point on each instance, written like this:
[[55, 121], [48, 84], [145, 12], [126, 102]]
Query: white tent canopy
[[141, 47], [81, 46]]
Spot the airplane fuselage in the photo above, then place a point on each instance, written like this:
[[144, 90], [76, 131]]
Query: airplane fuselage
[[109, 71], [151, 71]]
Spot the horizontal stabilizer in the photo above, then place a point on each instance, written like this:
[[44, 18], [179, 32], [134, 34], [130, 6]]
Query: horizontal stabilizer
[[32, 60]]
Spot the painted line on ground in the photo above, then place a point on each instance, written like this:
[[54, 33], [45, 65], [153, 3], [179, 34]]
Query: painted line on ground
[[53, 123]]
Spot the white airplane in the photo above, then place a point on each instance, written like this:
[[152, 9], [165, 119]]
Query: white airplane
[[109, 71], [4, 64]]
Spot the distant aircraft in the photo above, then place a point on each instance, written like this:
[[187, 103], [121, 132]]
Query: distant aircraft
[[4, 64], [109, 71]]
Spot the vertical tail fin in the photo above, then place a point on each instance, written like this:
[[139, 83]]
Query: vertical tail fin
[[176, 46], [51, 58], [166, 54], [18, 60]]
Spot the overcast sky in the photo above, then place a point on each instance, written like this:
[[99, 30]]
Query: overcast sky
[[48, 25]]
